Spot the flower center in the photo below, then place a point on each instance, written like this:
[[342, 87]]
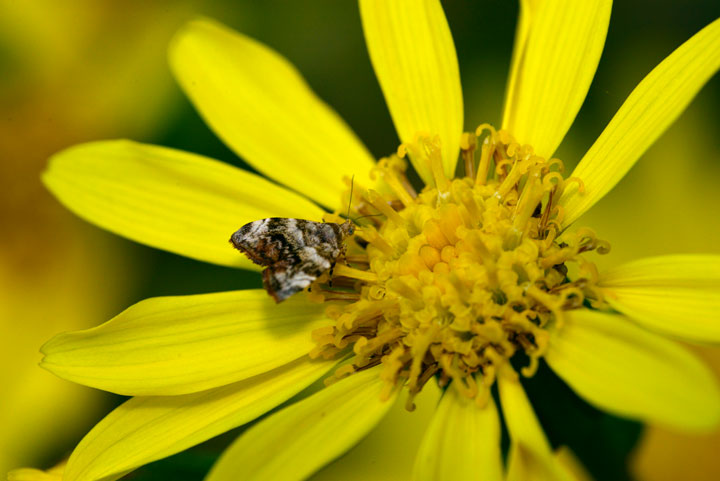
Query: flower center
[[455, 281]]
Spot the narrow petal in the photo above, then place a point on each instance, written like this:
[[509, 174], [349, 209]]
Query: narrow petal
[[526, 17], [176, 345], [654, 104], [297, 441], [557, 49], [145, 429], [462, 442], [262, 108], [530, 455], [631, 372], [169, 199], [413, 54], [520, 418], [571, 464], [677, 295]]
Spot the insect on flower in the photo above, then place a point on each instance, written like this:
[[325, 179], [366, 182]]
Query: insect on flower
[[294, 251]]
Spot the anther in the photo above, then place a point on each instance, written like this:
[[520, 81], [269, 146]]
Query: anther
[[486, 152], [347, 271], [377, 201], [468, 143], [390, 170]]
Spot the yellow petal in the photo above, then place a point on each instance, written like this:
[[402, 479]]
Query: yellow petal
[[677, 295], [524, 464], [462, 442], [169, 199], [414, 58], [628, 371], [297, 441], [392, 445], [530, 455], [571, 464], [177, 345], [145, 429], [526, 17], [520, 418], [654, 104], [557, 49], [262, 108]]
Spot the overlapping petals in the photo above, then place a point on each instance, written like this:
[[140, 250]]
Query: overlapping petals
[[311, 432], [169, 199], [628, 371], [530, 455], [144, 429], [650, 109], [413, 54], [263, 109], [399, 428], [557, 49], [462, 442], [676, 295], [177, 345]]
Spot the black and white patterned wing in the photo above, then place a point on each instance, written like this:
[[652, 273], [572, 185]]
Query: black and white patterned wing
[[263, 241], [283, 279]]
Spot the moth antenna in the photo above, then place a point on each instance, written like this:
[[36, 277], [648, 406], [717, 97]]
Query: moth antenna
[[363, 216], [352, 185]]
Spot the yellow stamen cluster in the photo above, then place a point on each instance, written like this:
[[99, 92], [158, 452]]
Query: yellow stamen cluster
[[454, 281]]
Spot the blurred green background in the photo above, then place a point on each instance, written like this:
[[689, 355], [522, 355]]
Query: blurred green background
[[83, 70]]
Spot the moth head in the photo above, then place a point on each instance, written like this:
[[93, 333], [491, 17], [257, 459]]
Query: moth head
[[347, 228]]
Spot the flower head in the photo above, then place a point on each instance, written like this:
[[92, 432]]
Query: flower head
[[464, 284]]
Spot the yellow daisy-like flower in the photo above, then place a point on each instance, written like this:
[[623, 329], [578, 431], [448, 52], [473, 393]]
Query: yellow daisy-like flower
[[457, 286]]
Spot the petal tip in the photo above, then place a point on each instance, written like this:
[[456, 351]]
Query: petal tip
[[189, 31]]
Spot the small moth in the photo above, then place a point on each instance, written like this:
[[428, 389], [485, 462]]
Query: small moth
[[294, 251]]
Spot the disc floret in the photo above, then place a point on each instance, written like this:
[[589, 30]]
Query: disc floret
[[456, 280]]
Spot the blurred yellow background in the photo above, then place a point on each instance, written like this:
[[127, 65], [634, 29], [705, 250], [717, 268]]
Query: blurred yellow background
[[90, 69]]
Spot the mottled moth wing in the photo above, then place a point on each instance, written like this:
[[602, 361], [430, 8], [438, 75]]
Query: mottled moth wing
[[294, 251]]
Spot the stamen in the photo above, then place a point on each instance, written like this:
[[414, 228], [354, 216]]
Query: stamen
[[427, 150], [482, 127], [357, 259], [529, 199], [517, 171], [347, 271], [377, 201], [578, 181], [373, 237], [392, 171], [486, 153], [468, 143], [434, 154]]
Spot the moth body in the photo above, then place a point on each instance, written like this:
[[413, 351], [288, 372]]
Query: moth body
[[294, 252]]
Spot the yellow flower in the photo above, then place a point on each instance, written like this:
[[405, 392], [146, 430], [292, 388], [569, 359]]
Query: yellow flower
[[443, 289]]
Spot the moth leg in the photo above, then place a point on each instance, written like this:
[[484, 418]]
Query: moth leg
[[332, 267], [343, 255]]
